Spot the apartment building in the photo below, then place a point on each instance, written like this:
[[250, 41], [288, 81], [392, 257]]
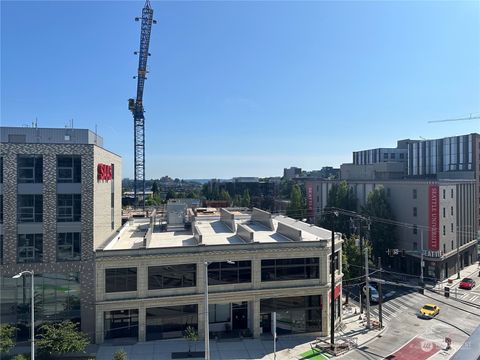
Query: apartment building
[[151, 280], [60, 196]]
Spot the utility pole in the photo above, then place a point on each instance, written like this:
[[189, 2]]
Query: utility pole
[[380, 293], [458, 258], [421, 256], [332, 290], [367, 289]]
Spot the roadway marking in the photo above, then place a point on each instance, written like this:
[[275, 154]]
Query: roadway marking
[[417, 348], [474, 298]]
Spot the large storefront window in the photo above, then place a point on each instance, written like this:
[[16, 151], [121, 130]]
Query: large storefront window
[[57, 298], [229, 273], [170, 321], [121, 279], [171, 276], [121, 324], [294, 314], [290, 269]]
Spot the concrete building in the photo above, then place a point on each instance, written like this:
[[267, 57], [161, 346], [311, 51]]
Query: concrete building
[[442, 212], [292, 172], [60, 197], [150, 283]]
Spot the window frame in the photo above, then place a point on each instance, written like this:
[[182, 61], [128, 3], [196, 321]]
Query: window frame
[[34, 248], [70, 240]]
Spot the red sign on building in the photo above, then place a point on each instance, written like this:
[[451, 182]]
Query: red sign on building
[[433, 218], [104, 172], [336, 293]]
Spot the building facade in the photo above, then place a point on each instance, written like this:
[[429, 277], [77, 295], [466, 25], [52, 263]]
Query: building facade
[[60, 197], [151, 284]]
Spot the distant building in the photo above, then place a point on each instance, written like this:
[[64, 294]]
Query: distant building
[[292, 172]]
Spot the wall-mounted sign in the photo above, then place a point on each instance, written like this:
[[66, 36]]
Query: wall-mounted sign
[[310, 200], [104, 172], [433, 218], [434, 254]]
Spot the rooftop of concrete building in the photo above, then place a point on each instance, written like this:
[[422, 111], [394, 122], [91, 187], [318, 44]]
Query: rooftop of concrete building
[[210, 226], [35, 135]]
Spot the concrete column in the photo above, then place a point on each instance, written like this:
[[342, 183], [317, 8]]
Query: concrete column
[[142, 280], [99, 327], [201, 322], [256, 273], [254, 314], [142, 322], [325, 313]]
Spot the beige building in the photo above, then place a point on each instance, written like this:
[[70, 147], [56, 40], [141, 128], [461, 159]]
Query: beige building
[[150, 283]]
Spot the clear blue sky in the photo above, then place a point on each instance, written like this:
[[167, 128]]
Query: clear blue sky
[[245, 88]]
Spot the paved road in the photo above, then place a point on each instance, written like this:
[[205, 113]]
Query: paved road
[[457, 320]]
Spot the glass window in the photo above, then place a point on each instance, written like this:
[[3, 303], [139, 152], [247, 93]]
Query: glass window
[[171, 276], [414, 229], [121, 279], [1, 249], [451, 227], [1, 208], [444, 192], [170, 322], [392, 155], [415, 211], [451, 193], [69, 169], [290, 269], [218, 313], [121, 324], [68, 246], [443, 210], [451, 210], [29, 169], [444, 232], [29, 208], [30, 248], [414, 193], [225, 273], [69, 207]]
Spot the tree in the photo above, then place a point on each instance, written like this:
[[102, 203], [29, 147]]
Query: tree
[[246, 198], [155, 188], [237, 200], [120, 355], [295, 208], [382, 236], [7, 333], [340, 196], [171, 194], [190, 334], [61, 338], [224, 195]]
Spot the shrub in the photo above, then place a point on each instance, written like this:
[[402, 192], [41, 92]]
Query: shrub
[[120, 355]]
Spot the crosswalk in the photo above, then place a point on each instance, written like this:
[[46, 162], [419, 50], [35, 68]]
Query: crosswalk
[[468, 296], [393, 307]]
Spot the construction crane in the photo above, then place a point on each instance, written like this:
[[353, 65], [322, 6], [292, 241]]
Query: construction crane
[[458, 119], [136, 105]]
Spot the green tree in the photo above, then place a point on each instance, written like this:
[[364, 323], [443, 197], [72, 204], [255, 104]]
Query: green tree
[[7, 333], [19, 357], [237, 200], [246, 198], [191, 335], [295, 208], [120, 355], [155, 188], [381, 236], [171, 194], [61, 338], [224, 195], [340, 196]]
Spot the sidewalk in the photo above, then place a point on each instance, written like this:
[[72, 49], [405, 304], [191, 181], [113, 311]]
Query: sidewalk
[[288, 346], [472, 270]]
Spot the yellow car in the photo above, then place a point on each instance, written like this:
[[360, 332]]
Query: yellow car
[[429, 310]]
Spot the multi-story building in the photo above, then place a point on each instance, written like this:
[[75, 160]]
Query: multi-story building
[[150, 283], [60, 197]]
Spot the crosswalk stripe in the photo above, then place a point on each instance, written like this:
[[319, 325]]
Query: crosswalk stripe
[[397, 304], [464, 296], [474, 298], [389, 312]]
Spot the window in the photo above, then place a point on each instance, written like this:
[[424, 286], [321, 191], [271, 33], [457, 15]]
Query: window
[[415, 211], [452, 244], [451, 193], [402, 156], [1, 208], [218, 313], [68, 246], [451, 227], [29, 208], [443, 212], [451, 210], [444, 232], [29, 169], [415, 246], [444, 192], [170, 321], [69, 207], [444, 248], [414, 229], [121, 324], [392, 155], [225, 273], [385, 156], [69, 169], [171, 276], [290, 269], [30, 248], [121, 279], [1, 249], [414, 193]]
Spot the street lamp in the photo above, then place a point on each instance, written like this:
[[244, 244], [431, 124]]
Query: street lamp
[[207, 325], [32, 326]]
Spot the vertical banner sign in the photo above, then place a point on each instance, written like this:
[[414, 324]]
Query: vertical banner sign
[[310, 200], [433, 218]]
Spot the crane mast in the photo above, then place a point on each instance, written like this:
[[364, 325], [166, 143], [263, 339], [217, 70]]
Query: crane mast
[[136, 105]]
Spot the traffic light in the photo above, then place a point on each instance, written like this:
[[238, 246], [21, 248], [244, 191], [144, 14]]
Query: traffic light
[[447, 292]]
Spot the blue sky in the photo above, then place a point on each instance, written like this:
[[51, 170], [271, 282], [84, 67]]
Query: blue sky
[[245, 88]]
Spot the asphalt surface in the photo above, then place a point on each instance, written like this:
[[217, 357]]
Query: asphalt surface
[[408, 336]]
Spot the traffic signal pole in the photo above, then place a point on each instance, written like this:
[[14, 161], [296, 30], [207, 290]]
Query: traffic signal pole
[[380, 294], [367, 289]]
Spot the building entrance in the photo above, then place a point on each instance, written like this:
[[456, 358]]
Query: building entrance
[[240, 316]]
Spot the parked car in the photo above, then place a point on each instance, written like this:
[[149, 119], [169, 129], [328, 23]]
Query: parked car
[[429, 311], [467, 283], [374, 296]]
